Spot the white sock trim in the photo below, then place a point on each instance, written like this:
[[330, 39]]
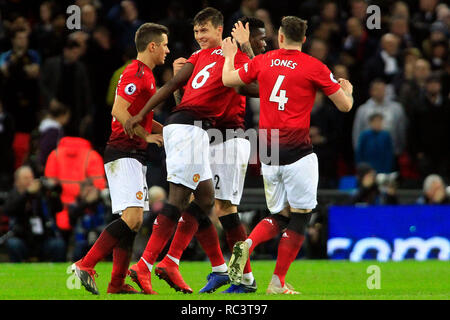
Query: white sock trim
[[247, 278], [177, 261], [149, 266], [221, 268]]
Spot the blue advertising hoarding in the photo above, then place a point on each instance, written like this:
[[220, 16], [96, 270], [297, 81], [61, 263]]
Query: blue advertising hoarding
[[389, 232]]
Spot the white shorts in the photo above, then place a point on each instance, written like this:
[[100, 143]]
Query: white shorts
[[127, 184], [294, 184], [229, 162], [187, 154]]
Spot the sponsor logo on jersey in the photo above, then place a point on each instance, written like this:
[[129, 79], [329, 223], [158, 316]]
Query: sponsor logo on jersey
[[130, 88], [196, 177], [139, 195]]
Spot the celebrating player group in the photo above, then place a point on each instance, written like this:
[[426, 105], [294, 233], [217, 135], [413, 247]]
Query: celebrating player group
[[210, 89]]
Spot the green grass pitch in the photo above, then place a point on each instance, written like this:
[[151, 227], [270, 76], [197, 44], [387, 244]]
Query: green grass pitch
[[316, 280]]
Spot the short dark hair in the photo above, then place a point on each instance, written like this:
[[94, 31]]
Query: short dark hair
[[209, 14], [294, 28], [253, 23], [149, 32]]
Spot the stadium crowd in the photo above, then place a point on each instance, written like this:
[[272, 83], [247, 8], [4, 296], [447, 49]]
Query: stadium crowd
[[58, 87]]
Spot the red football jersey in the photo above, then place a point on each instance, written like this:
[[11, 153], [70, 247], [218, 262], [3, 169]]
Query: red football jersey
[[205, 95], [136, 85], [288, 81]]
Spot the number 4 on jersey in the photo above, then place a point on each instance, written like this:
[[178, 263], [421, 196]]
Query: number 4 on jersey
[[281, 99]]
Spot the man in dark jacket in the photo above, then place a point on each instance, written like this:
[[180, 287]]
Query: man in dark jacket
[[31, 206], [65, 79]]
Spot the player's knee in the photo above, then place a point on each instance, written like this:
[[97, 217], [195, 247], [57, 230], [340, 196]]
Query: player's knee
[[133, 217], [224, 207]]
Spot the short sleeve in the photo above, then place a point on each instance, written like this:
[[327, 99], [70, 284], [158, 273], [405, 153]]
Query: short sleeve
[[324, 79], [240, 59], [194, 57], [129, 86], [250, 70]]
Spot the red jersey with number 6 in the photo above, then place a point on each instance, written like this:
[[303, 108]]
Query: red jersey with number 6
[[288, 81], [136, 85], [205, 95]]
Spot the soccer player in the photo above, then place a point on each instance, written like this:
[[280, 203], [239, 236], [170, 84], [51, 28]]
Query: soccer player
[[288, 80], [187, 154], [229, 171], [125, 162]]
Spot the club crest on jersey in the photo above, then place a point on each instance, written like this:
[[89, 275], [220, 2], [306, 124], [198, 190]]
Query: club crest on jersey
[[196, 177], [130, 88], [139, 195]]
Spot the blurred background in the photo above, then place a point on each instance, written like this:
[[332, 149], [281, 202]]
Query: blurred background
[[384, 166]]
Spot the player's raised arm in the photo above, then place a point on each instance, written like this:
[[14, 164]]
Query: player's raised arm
[[162, 94], [230, 76], [343, 98], [241, 34]]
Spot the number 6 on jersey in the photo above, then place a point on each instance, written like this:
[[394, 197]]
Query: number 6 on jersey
[[281, 99]]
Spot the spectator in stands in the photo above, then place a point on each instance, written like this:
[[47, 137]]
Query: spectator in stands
[[72, 163], [434, 191], [180, 30], [20, 68], [66, 79], [369, 192], [88, 214], [31, 207], [375, 146], [124, 18], [394, 117], [385, 64], [411, 90], [88, 18], [100, 48], [51, 130], [327, 27], [43, 36], [430, 131], [326, 127], [422, 19], [399, 26], [6, 145]]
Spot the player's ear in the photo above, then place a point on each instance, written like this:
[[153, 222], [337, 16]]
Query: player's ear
[[151, 46], [304, 39]]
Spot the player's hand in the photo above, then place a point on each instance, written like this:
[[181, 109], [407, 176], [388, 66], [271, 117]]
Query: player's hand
[[156, 138], [229, 47], [178, 64], [130, 124], [240, 33], [346, 85]]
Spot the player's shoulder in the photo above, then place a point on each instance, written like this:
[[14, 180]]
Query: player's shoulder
[[137, 70]]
